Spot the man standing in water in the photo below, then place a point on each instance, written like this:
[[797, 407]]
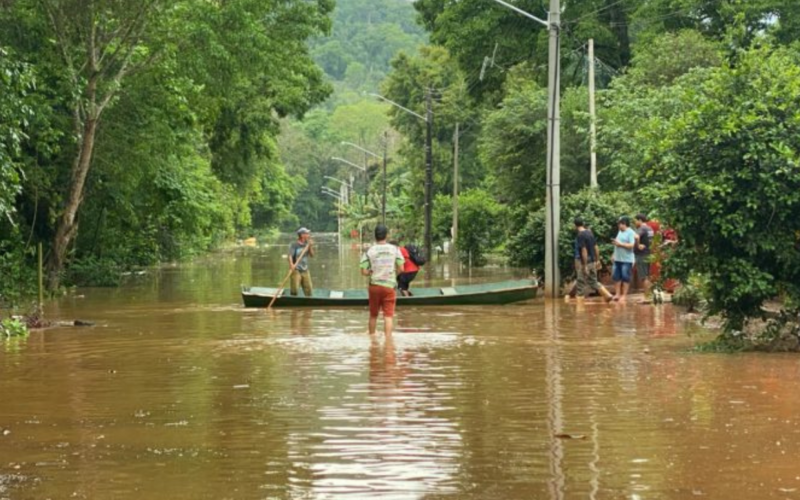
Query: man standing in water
[[300, 274], [586, 262], [644, 238], [382, 263], [623, 258]]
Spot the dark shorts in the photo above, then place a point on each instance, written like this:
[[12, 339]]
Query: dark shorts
[[404, 280], [643, 267], [622, 272], [383, 299]]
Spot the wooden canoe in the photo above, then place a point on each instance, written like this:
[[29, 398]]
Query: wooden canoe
[[505, 292]]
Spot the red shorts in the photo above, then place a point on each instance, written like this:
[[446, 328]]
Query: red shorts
[[383, 299]]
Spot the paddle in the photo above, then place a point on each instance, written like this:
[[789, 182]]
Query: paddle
[[289, 275]]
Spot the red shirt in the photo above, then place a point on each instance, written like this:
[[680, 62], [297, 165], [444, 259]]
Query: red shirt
[[409, 266]]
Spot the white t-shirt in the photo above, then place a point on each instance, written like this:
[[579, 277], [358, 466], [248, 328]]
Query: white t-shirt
[[383, 260]]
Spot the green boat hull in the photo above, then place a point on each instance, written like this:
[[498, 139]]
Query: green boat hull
[[506, 292]]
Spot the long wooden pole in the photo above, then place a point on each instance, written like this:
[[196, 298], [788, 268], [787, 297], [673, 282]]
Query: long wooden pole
[[289, 275]]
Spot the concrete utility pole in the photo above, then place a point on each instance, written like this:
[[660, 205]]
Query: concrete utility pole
[[455, 188], [592, 116], [385, 153], [429, 175], [552, 279]]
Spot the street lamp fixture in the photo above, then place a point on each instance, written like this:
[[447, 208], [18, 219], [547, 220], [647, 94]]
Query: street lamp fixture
[[363, 150], [375, 155], [339, 181], [396, 105], [347, 162]]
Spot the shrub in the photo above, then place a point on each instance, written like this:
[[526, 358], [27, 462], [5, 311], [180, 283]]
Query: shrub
[[93, 271], [729, 179], [12, 327], [18, 272], [692, 294], [481, 223]]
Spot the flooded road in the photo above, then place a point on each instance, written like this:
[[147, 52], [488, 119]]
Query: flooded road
[[180, 393]]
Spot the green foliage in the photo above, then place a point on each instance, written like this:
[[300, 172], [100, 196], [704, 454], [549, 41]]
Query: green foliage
[[366, 36], [474, 29], [18, 271], [730, 182], [11, 327], [655, 64], [632, 121], [16, 81], [408, 84], [599, 210], [356, 56], [482, 223], [185, 156], [513, 144], [692, 293], [740, 23], [92, 271]]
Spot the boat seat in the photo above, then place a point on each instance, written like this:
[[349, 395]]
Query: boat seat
[[449, 291], [336, 294]]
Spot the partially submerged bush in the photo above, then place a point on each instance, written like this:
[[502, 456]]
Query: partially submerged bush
[[12, 327], [91, 271], [692, 294]]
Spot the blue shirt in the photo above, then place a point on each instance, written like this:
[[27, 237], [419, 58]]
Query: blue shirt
[[623, 254]]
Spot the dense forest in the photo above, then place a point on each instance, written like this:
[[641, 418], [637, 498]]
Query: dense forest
[[134, 134]]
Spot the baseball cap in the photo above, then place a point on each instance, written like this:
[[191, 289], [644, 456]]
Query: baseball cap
[[303, 230]]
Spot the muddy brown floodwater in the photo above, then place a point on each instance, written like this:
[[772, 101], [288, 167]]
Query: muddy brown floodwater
[[180, 393]]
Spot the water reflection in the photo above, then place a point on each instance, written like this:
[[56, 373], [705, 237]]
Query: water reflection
[[383, 434]]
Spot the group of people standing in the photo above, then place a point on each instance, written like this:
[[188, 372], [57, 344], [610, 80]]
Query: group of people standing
[[631, 250], [391, 269]]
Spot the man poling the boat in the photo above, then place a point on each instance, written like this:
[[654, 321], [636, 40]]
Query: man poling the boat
[[382, 263], [299, 252]]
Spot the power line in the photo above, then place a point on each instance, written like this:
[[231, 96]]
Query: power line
[[601, 9]]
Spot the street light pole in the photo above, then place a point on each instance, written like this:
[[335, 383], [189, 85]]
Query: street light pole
[[345, 188], [429, 174], [338, 198], [553, 207], [367, 152]]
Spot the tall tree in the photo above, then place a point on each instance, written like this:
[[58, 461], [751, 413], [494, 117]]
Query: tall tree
[[250, 60], [487, 39]]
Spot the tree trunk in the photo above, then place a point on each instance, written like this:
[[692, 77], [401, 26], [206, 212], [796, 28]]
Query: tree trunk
[[67, 223]]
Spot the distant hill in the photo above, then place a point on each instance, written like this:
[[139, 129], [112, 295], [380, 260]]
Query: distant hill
[[366, 35]]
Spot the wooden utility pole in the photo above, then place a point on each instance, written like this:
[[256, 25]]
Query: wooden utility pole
[[592, 117], [455, 189]]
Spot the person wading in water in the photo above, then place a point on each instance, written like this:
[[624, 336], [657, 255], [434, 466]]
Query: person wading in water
[[382, 263]]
